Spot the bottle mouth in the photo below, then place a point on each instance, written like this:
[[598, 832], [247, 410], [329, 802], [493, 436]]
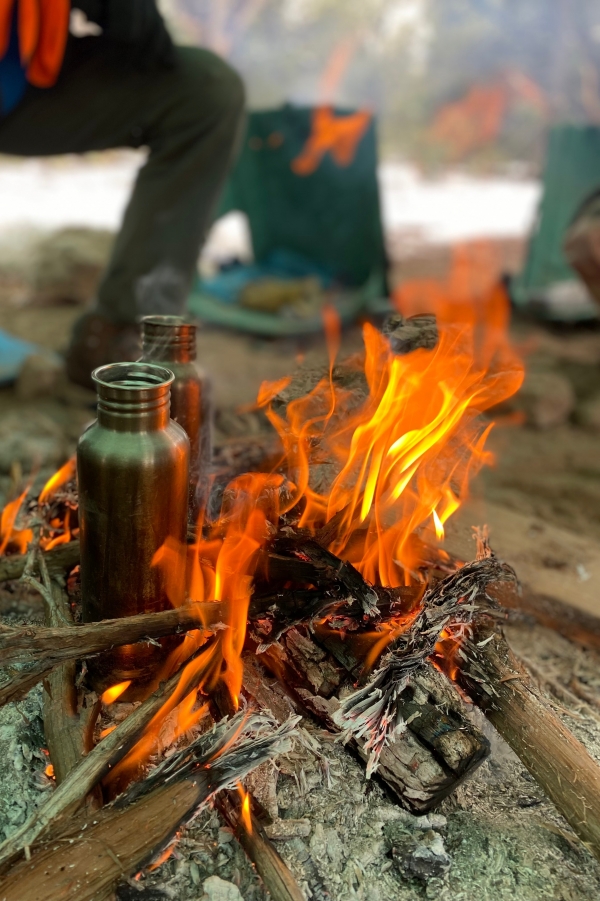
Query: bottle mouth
[[132, 376], [163, 336]]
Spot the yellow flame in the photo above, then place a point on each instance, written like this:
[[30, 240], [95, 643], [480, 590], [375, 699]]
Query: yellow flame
[[115, 691]]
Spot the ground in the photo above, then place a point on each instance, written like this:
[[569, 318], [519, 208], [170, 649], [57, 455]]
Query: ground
[[504, 838]]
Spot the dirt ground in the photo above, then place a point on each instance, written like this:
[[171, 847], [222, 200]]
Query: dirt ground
[[502, 836]]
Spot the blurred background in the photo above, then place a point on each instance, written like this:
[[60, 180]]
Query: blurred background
[[486, 117]]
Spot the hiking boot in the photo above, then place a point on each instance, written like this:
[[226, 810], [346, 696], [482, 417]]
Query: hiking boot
[[96, 341]]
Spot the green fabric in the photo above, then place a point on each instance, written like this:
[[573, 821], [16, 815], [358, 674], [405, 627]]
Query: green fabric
[[331, 216], [572, 172]]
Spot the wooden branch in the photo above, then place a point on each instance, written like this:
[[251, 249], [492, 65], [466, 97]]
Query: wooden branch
[[69, 796], [56, 645], [570, 622], [59, 559], [501, 687], [274, 872], [66, 730]]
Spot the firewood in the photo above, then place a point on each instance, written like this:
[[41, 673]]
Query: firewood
[[274, 872], [440, 747], [66, 728], [497, 682], [570, 622], [60, 558], [70, 795], [85, 860]]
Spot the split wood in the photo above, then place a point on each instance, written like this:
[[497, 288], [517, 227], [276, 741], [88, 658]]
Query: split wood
[[441, 747]]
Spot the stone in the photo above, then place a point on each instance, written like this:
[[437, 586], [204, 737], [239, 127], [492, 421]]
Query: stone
[[547, 399], [414, 333], [217, 889], [39, 376], [588, 413], [424, 857]]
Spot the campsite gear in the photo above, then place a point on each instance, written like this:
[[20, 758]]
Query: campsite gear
[[188, 115], [132, 474], [571, 174], [171, 340], [272, 295], [582, 244], [13, 353], [324, 223]]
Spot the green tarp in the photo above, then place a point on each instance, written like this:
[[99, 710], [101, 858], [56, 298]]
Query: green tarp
[[331, 216], [571, 173]]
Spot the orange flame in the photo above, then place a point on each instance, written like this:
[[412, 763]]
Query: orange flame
[[60, 478], [49, 771], [115, 691], [16, 539], [406, 455], [245, 815]]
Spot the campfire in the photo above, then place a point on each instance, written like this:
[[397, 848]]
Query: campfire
[[316, 565]]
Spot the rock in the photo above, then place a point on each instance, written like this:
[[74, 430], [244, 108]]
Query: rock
[[406, 335], [217, 889], [33, 440], [39, 376], [588, 413], [424, 858], [547, 398]]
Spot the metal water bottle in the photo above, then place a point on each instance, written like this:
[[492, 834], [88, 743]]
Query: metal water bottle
[[132, 473], [171, 341]]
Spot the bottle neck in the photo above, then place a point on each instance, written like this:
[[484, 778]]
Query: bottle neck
[[133, 397], [168, 339]]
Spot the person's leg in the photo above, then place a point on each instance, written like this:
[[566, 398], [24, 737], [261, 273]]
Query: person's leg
[[189, 116]]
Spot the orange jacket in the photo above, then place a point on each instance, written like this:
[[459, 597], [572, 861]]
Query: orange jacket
[[43, 27]]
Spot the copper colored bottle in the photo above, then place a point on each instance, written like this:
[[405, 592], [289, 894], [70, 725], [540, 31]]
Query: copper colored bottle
[[132, 473], [171, 341]]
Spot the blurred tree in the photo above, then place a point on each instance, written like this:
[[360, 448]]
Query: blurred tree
[[408, 59]]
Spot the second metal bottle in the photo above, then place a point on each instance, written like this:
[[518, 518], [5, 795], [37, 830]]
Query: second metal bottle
[[171, 341]]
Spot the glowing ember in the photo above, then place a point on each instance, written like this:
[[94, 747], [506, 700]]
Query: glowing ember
[[115, 691], [49, 771]]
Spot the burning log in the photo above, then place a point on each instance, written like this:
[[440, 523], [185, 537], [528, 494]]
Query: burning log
[[85, 860], [440, 747], [374, 710]]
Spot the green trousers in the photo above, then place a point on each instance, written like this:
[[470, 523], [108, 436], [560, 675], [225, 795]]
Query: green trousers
[[190, 117]]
